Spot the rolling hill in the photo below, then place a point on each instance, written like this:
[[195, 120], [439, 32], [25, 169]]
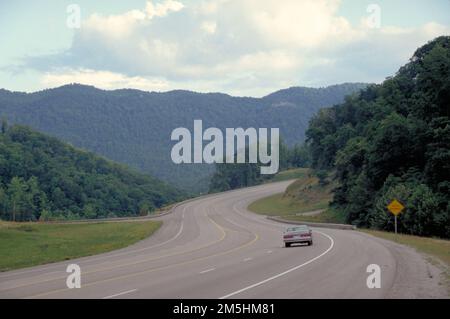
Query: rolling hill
[[134, 127], [42, 178]]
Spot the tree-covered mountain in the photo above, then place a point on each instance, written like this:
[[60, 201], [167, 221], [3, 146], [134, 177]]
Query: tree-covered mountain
[[43, 178], [134, 127], [393, 141]]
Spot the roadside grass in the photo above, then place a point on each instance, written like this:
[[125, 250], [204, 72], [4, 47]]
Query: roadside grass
[[302, 196], [30, 244], [289, 174], [439, 248], [279, 205], [327, 216]]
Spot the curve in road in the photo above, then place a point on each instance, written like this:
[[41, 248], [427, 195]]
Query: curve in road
[[213, 247]]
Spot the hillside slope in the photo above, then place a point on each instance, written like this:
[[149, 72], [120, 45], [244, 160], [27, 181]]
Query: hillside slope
[[43, 178], [392, 141], [134, 127]]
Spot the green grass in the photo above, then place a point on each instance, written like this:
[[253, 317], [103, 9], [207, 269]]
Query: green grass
[[327, 216], [278, 205], [290, 174], [439, 248], [30, 244], [303, 195]]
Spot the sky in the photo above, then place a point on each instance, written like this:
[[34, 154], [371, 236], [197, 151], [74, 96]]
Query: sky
[[239, 47]]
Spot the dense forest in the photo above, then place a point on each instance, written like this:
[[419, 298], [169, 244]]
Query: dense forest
[[42, 178], [392, 141], [133, 127]]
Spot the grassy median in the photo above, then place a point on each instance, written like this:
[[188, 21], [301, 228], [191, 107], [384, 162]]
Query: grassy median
[[30, 244]]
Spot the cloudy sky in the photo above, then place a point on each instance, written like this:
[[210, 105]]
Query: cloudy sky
[[240, 47]]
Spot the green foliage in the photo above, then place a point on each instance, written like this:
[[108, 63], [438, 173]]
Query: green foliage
[[4, 125], [145, 208], [392, 141], [134, 127], [422, 215], [45, 216], [322, 176], [233, 176], [44, 179], [31, 244], [305, 195]]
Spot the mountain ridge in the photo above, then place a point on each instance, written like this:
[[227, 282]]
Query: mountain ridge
[[134, 127]]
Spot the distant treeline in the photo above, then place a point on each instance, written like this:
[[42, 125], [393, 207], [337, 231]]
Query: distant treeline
[[233, 176], [393, 141], [134, 127], [42, 178], [389, 141]]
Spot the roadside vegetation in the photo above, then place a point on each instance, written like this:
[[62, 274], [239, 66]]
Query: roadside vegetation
[[391, 141], [289, 174], [306, 199], [44, 179], [233, 176], [30, 244], [439, 248]]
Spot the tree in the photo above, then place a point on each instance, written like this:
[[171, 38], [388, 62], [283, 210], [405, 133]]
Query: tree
[[145, 208], [17, 197], [392, 141], [36, 199], [322, 176], [61, 179], [3, 202], [4, 125], [89, 211], [45, 216]]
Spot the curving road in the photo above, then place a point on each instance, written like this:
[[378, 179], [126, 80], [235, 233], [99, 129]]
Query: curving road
[[213, 247]]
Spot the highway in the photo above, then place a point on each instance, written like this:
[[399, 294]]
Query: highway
[[212, 247]]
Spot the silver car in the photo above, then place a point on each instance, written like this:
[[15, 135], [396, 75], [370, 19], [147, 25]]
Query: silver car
[[297, 234]]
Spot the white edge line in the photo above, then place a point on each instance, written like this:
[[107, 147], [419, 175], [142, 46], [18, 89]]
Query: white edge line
[[120, 294], [283, 273], [207, 270], [100, 258], [13, 273]]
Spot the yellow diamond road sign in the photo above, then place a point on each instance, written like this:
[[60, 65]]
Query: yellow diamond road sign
[[395, 207]]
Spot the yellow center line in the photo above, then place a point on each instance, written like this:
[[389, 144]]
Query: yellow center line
[[160, 268], [223, 235]]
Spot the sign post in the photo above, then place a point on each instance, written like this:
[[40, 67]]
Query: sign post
[[395, 207]]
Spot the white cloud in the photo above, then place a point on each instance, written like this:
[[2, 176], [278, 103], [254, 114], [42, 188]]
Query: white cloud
[[209, 27], [162, 9], [102, 79], [297, 23], [115, 25], [246, 47]]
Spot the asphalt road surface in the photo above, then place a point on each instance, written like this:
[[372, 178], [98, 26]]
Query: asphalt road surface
[[213, 247]]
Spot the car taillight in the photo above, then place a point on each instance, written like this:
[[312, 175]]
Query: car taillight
[[306, 235], [287, 236]]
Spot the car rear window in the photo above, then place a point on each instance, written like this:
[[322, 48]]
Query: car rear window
[[298, 228]]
